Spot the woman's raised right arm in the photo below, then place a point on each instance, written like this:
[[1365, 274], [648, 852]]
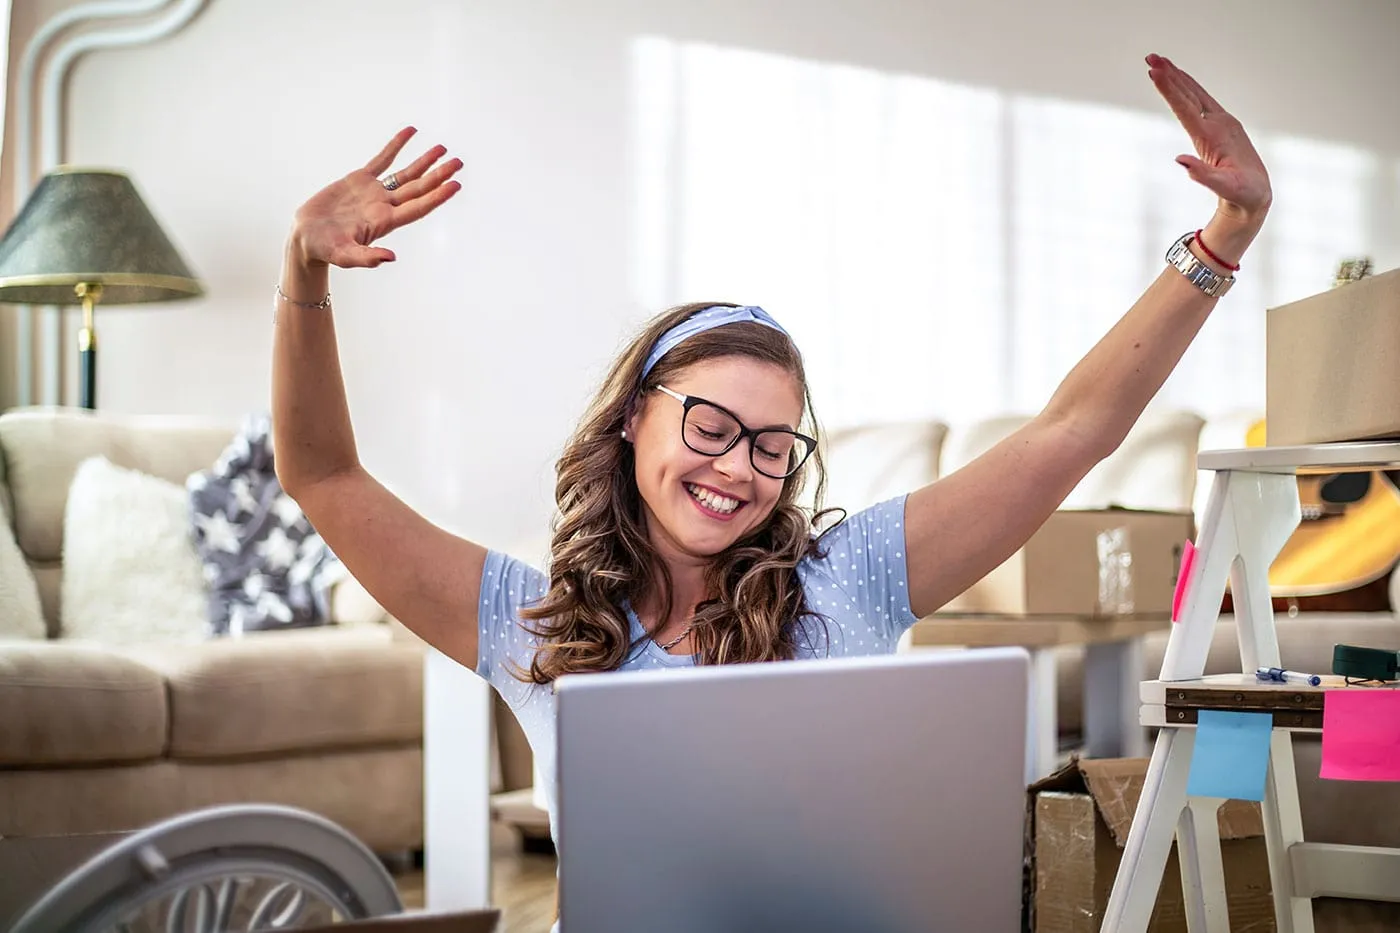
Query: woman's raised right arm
[[424, 576]]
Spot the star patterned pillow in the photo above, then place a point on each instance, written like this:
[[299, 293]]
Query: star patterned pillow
[[265, 565]]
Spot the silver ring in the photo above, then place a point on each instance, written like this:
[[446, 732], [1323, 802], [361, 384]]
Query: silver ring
[[391, 181]]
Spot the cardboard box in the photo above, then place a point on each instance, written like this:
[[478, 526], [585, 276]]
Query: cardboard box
[[30, 866], [1088, 562], [1079, 821], [1332, 365]]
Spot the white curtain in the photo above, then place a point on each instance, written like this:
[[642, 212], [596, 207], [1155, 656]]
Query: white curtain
[[949, 252]]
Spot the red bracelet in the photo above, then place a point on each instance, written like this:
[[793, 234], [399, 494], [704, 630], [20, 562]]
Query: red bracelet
[[1211, 256]]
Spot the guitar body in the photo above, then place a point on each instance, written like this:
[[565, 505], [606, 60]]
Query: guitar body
[[1341, 554], [1372, 597]]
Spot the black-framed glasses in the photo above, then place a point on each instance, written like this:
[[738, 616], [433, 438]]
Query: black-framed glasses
[[713, 430]]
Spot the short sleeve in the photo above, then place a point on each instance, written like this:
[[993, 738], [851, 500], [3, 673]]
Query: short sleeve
[[507, 586], [864, 563]]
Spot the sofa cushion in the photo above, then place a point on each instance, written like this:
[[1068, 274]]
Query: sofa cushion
[[42, 448], [1154, 467], [63, 704], [875, 462], [295, 690], [130, 571], [21, 612]]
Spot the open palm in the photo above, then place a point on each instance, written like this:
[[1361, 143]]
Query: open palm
[[340, 223], [1225, 161]]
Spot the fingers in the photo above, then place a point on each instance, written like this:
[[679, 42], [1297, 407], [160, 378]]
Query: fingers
[[424, 205], [415, 189], [416, 169], [380, 163], [1179, 97], [421, 190], [1203, 174], [1180, 89], [1194, 86], [354, 256]]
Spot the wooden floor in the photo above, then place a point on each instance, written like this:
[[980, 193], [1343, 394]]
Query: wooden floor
[[522, 884]]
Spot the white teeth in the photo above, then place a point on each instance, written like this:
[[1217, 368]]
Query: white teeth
[[713, 500]]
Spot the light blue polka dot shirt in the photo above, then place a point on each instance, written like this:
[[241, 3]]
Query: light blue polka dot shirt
[[860, 586]]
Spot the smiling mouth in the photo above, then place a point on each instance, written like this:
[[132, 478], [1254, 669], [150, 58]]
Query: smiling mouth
[[713, 502]]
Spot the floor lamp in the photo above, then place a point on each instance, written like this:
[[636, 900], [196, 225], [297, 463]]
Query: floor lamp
[[84, 237]]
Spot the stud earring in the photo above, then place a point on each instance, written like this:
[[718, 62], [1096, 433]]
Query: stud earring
[[624, 434]]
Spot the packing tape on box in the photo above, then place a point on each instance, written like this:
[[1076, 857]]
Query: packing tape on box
[[1115, 572]]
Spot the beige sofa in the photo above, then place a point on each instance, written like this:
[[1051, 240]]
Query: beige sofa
[[101, 737]]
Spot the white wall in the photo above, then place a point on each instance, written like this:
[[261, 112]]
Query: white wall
[[469, 358]]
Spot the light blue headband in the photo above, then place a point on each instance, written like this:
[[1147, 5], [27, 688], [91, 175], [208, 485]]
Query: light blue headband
[[700, 321]]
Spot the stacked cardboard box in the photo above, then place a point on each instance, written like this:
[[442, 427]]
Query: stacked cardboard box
[[1333, 365]]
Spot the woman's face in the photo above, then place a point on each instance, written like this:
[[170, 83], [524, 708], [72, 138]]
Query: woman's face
[[698, 505]]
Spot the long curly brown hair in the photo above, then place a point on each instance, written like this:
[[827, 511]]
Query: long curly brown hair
[[601, 555]]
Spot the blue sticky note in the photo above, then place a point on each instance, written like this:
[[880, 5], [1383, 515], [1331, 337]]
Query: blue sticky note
[[1232, 755]]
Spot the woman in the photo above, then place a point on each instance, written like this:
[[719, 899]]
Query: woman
[[679, 540]]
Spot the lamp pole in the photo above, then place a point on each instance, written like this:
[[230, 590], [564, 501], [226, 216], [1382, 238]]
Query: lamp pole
[[90, 293]]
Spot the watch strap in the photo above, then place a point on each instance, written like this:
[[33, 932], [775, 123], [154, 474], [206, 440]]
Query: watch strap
[[1197, 272]]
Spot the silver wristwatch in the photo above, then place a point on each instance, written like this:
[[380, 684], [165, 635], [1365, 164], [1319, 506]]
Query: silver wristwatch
[[1197, 273]]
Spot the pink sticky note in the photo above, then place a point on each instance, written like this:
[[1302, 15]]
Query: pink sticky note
[[1361, 734], [1188, 557]]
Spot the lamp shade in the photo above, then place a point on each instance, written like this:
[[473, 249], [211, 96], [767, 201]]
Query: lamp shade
[[90, 226]]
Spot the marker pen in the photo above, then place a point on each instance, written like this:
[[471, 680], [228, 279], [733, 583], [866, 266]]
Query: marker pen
[[1279, 675]]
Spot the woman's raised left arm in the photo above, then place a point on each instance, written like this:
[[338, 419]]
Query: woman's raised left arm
[[962, 526]]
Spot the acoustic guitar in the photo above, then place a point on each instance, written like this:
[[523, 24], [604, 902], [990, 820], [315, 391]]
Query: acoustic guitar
[[1340, 557], [1349, 536]]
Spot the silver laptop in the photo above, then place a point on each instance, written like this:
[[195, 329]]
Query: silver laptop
[[880, 795]]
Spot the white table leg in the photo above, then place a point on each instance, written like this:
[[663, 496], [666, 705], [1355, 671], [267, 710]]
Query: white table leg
[[1149, 843], [1202, 866], [1042, 717], [1112, 674], [456, 785]]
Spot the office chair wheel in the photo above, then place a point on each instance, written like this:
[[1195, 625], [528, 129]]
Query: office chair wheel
[[220, 870]]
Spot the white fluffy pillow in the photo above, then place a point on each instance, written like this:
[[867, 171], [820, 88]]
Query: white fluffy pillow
[[21, 614], [130, 570]]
